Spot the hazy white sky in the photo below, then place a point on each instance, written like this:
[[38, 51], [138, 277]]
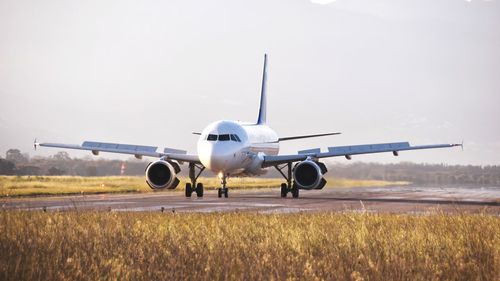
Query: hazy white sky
[[151, 72]]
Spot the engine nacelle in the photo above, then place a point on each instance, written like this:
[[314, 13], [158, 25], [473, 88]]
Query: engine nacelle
[[162, 174], [309, 175]]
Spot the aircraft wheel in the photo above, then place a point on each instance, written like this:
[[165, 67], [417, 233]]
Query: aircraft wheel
[[284, 190], [219, 192], [189, 190], [199, 189], [295, 192], [226, 192]]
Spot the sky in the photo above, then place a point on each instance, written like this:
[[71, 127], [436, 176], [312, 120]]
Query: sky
[[151, 72]]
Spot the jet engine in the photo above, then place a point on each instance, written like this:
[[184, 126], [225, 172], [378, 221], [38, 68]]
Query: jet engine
[[162, 174], [308, 175]]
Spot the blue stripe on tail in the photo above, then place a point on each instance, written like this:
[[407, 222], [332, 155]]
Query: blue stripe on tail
[[263, 101]]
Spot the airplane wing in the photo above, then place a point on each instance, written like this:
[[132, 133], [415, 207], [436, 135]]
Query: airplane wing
[[137, 150], [348, 151]]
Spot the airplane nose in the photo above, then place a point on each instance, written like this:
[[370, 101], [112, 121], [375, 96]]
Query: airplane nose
[[218, 162], [215, 157]]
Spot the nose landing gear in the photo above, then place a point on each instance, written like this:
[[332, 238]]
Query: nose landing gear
[[223, 190]]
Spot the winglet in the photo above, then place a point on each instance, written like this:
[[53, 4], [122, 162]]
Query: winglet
[[263, 101], [459, 144]]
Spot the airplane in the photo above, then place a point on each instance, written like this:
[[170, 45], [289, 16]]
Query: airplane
[[231, 148]]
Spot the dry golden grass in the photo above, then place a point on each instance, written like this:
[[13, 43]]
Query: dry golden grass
[[243, 246], [11, 186], [52, 185]]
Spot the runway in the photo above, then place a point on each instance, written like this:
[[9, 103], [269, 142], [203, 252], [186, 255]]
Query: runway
[[398, 199]]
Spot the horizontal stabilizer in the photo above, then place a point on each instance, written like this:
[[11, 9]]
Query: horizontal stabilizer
[[307, 136]]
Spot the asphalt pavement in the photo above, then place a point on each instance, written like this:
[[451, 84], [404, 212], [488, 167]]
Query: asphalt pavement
[[396, 199]]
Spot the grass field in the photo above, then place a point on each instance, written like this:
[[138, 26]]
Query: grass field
[[237, 246], [11, 186]]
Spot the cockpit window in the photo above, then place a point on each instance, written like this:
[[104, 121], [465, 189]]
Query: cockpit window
[[225, 137]]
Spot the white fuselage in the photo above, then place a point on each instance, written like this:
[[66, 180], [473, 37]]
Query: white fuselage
[[234, 148]]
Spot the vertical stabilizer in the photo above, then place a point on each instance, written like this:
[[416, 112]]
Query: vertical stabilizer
[[263, 101]]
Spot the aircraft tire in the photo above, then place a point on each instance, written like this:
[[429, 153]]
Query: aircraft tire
[[226, 193], [199, 189], [189, 190], [295, 192], [284, 190], [219, 192]]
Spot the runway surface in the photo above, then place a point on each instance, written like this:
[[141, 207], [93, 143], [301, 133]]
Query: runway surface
[[398, 199]]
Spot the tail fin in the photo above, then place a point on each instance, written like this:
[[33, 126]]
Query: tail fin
[[263, 101]]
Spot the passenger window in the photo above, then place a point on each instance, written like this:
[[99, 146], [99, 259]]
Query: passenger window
[[212, 137], [224, 137]]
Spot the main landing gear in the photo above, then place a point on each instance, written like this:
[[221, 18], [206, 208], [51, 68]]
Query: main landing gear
[[223, 190], [288, 186], [193, 176]]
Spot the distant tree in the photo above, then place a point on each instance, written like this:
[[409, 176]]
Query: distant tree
[[16, 156], [7, 167], [53, 171], [28, 171], [91, 171], [61, 156]]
